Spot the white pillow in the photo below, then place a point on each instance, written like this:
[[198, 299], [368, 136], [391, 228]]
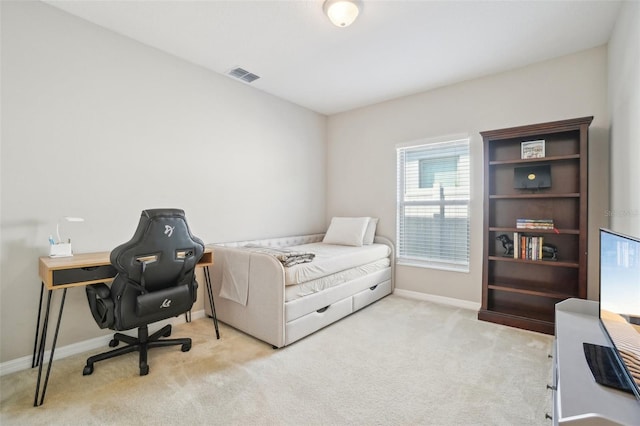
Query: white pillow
[[346, 231], [370, 233]]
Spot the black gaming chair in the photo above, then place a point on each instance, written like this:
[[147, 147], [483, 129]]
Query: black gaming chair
[[155, 281]]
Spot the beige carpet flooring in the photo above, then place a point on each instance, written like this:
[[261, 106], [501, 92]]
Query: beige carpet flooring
[[397, 362]]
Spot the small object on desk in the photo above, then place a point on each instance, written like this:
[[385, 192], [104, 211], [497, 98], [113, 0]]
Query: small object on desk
[[60, 250]]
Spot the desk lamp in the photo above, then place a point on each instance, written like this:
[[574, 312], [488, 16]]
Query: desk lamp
[[58, 248]]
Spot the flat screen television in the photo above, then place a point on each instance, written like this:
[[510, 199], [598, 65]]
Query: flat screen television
[[618, 365]]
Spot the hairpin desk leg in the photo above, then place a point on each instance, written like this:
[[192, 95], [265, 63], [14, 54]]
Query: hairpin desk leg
[[43, 340], [35, 343], [207, 279]]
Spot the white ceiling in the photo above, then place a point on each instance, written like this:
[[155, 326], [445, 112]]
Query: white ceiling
[[395, 47]]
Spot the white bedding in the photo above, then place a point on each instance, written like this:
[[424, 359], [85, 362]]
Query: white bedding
[[297, 291], [332, 258], [329, 260]]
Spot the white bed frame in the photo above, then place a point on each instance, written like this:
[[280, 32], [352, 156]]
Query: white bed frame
[[268, 317]]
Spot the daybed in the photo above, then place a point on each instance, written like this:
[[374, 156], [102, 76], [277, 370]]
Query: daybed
[[255, 293]]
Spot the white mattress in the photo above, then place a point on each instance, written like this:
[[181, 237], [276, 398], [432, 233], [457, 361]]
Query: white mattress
[[297, 291], [331, 258]]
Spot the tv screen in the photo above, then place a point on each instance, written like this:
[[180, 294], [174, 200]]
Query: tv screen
[[620, 303]]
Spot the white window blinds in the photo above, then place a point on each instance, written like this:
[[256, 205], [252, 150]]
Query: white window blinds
[[433, 205]]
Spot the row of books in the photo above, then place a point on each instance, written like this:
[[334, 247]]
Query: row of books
[[534, 224], [527, 247]]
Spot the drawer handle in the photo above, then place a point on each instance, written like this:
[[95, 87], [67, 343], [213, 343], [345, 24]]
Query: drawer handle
[[374, 287], [321, 310], [90, 268]]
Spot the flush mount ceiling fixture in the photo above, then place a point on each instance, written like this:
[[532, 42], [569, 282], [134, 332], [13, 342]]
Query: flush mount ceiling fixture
[[341, 13]]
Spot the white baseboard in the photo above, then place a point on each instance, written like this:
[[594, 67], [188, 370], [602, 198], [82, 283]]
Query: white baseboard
[[458, 303], [84, 346]]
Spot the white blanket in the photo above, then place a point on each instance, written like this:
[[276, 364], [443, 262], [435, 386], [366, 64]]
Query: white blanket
[[329, 259], [285, 256], [332, 258], [297, 291], [235, 275]]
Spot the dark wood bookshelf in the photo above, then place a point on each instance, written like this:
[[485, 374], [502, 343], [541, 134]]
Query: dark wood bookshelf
[[523, 292]]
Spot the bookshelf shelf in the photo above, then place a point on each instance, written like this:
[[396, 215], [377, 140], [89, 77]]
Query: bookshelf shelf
[[511, 287], [547, 263], [537, 231], [536, 160], [533, 196]]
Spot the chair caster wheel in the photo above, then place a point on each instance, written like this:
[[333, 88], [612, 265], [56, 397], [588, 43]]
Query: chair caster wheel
[[186, 347], [113, 343], [144, 369], [88, 369]]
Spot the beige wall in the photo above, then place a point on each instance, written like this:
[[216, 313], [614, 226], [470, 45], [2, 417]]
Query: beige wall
[[361, 173], [99, 126], [624, 104], [115, 122]]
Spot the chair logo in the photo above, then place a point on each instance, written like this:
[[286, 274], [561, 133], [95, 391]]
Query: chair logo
[[168, 230], [166, 303]]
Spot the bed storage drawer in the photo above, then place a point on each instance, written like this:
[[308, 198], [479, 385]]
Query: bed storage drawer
[[370, 295], [305, 325]]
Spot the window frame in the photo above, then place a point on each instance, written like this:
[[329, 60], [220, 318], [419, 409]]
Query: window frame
[[463, 141]]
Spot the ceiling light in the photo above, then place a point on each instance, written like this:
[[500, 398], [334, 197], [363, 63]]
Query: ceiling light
[[341, 13]]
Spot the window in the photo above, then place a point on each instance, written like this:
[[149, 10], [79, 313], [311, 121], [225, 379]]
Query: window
[[433, 205]]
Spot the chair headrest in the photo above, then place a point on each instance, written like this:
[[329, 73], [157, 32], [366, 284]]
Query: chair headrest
[[163, 243]]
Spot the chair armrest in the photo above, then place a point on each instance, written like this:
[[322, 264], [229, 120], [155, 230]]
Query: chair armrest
[[101, 304]]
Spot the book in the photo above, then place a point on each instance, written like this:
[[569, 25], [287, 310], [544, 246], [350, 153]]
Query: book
[[534, 224], [527, 247]]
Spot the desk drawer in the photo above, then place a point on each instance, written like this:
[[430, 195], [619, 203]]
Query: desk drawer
[[77, 275]]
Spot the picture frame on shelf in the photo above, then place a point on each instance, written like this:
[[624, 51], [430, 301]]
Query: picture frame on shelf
[[532, 149]]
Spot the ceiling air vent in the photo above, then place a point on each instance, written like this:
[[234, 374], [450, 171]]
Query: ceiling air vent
[[243, 75]]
